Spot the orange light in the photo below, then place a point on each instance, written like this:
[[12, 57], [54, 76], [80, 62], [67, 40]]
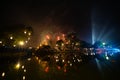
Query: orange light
[[46, 69], [65, 65], [58, 67], [47, 36], [58, 37], [63, 35], [65, 70]]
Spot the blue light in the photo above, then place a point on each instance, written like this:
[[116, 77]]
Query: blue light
[[113, 50], [108, 50]]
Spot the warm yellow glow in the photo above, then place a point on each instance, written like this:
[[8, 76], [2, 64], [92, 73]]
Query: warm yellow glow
[[44, 64], [40, 45], [62, 44], [44, 42], [37, 58], [39, 61], [29, 34], [17, 66], [21, 43]]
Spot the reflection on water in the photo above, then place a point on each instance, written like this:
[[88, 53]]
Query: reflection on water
[[20, 65]]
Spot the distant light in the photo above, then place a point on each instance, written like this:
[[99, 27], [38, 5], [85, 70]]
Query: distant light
[[68, 61], [75, 55], [23, 77], [3, 74], [29, 59], [77, 44], [39, 60], [21, 43], [56, 44], [74, 60], [65, 70], [93, 53], [30, 47], [104, 43], [24, 70], [63, 60], [70, 64], [25, 32], [56, 56], [29, 38], [14, 45], [58, 37], [40, 45], [26, 41], [63, 35], [11, 37], [79, 60], [0, 42], [23, 67], [57, 60], [46, 69], [58, 67], [62, 44], [107, 57], [47, 36], [17, 66], [29, 33]]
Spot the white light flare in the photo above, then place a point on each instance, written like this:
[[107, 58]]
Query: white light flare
[[29, 59], [11, 37], [0, 42], [24, 70], [3, 74], [23, 77], [23, 67]]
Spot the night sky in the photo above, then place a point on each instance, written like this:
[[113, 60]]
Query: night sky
[[63, 16]]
